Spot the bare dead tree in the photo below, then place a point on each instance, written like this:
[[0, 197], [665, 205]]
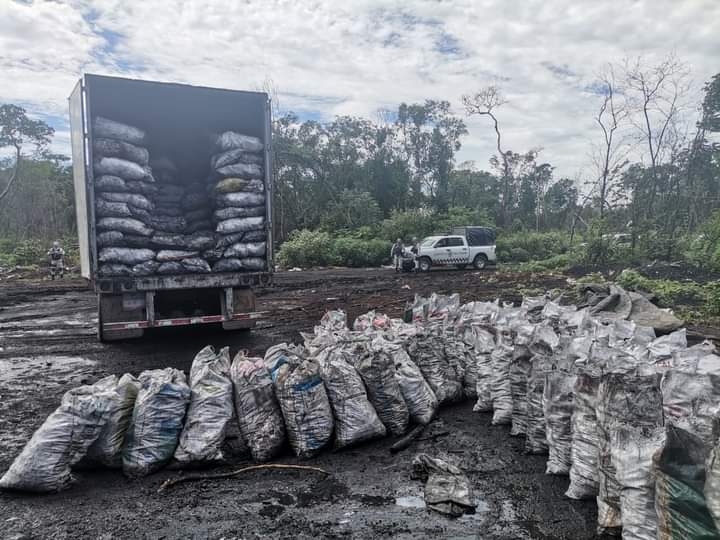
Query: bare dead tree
[[656, 96], [611, 154], [484, 103]]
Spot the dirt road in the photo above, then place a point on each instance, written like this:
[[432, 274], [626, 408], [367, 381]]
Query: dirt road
[[48, 345]]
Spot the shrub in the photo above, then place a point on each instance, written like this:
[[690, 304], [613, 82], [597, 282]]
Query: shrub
[[531, 246], [315, 248], [407, 224]]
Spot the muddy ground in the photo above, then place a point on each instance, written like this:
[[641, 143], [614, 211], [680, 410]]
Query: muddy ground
[[48, 345]]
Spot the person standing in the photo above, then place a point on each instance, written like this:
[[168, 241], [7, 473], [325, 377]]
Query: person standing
[[415, 249], [396, 253], [57, 260]]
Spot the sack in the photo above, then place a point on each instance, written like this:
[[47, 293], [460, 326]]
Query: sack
[[501, 389], [483, 345], [428, 353], [355, 418], [196, 265], [712, 485], [123, 168], [141, 187], [110, 183], [242, 250], [201, 214], [234, 156], [111, 209], [419, 397], [456, 357], [244, 170], [210, 410], [680, 504], [632, 450], [536, 441], [169, 224], [167, 255], [147, 268], [447, 490], [120, 149], [238, 212], [520, 365], [128, 256], [231, 140], [199, 226], [242, 200], [558, 407], [62, 440], [107, 448], [104, 127], [156, 422], [171, 268], [232, 185], [585, 438], [124, 225], [237, 225], [116, 238], [302, 398], [107, 270], [139, 201], [257, 410]]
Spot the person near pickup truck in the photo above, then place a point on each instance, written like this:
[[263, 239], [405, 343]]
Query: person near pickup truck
[[396, 254], [415, 249]]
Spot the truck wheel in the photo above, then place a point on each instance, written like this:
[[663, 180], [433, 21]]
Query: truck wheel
[[424, 264], [480, 261]]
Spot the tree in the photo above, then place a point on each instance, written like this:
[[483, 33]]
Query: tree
[[17, 131], [611, 155], [484, 103]]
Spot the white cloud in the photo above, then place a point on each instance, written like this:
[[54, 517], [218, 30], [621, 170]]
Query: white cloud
[[331, 58]]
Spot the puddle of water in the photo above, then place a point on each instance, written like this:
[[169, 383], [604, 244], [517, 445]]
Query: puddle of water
[[410, 501]]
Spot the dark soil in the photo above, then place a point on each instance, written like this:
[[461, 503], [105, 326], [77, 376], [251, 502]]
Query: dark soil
[[48, 345]]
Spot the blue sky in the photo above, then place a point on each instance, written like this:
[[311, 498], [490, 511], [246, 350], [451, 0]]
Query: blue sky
[[327, 58]]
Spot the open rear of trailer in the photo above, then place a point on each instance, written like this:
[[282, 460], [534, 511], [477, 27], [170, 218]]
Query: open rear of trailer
[[181, 125]]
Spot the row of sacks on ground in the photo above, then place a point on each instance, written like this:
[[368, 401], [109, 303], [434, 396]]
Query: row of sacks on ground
[[150, 220], [630, 417]]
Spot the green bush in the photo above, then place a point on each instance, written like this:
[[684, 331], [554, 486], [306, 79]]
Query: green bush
[[531, 246], [316, 248]]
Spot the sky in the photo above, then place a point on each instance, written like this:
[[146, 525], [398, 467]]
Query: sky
[[357, 57]]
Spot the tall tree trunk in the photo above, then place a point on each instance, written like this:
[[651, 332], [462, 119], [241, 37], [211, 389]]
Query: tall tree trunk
[[13, 176]]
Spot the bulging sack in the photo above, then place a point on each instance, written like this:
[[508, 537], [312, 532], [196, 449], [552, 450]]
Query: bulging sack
[[355, 418], [210, 410], [121, 149], [302, 398], [501, 385], [242, 250], [257, 410], [167, 255], [157, 421], [230, 140], [237, 225], [428, 353], [129, 256], [107, 448], [44, 465], [419, 397], [375, 365], [233, 185], [123, 168], [196, 265], [236, 155], [133, 199], [111, 209], [110, 183], [248, 171], [104, 127], [558, 399], [221, 214], [242, 200], [124, 225]]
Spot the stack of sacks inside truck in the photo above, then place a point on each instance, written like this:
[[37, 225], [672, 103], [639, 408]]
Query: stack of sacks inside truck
[[630, 418], [154, 219], [124, 189], [237, 187]]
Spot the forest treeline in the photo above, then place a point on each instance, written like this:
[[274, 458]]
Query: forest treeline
[[344, 188]]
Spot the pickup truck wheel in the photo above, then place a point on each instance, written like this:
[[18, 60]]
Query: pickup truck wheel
[[480, 261], [424, 264]]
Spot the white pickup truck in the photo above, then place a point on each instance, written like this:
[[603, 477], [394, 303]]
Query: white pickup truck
[[453, 250]]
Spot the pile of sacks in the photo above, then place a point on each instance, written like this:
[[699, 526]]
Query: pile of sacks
[[238, 190], [124, 189], [631, 418], [153, 221]]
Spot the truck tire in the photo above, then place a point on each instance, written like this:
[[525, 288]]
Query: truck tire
[[424, 264], [480, 262]]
